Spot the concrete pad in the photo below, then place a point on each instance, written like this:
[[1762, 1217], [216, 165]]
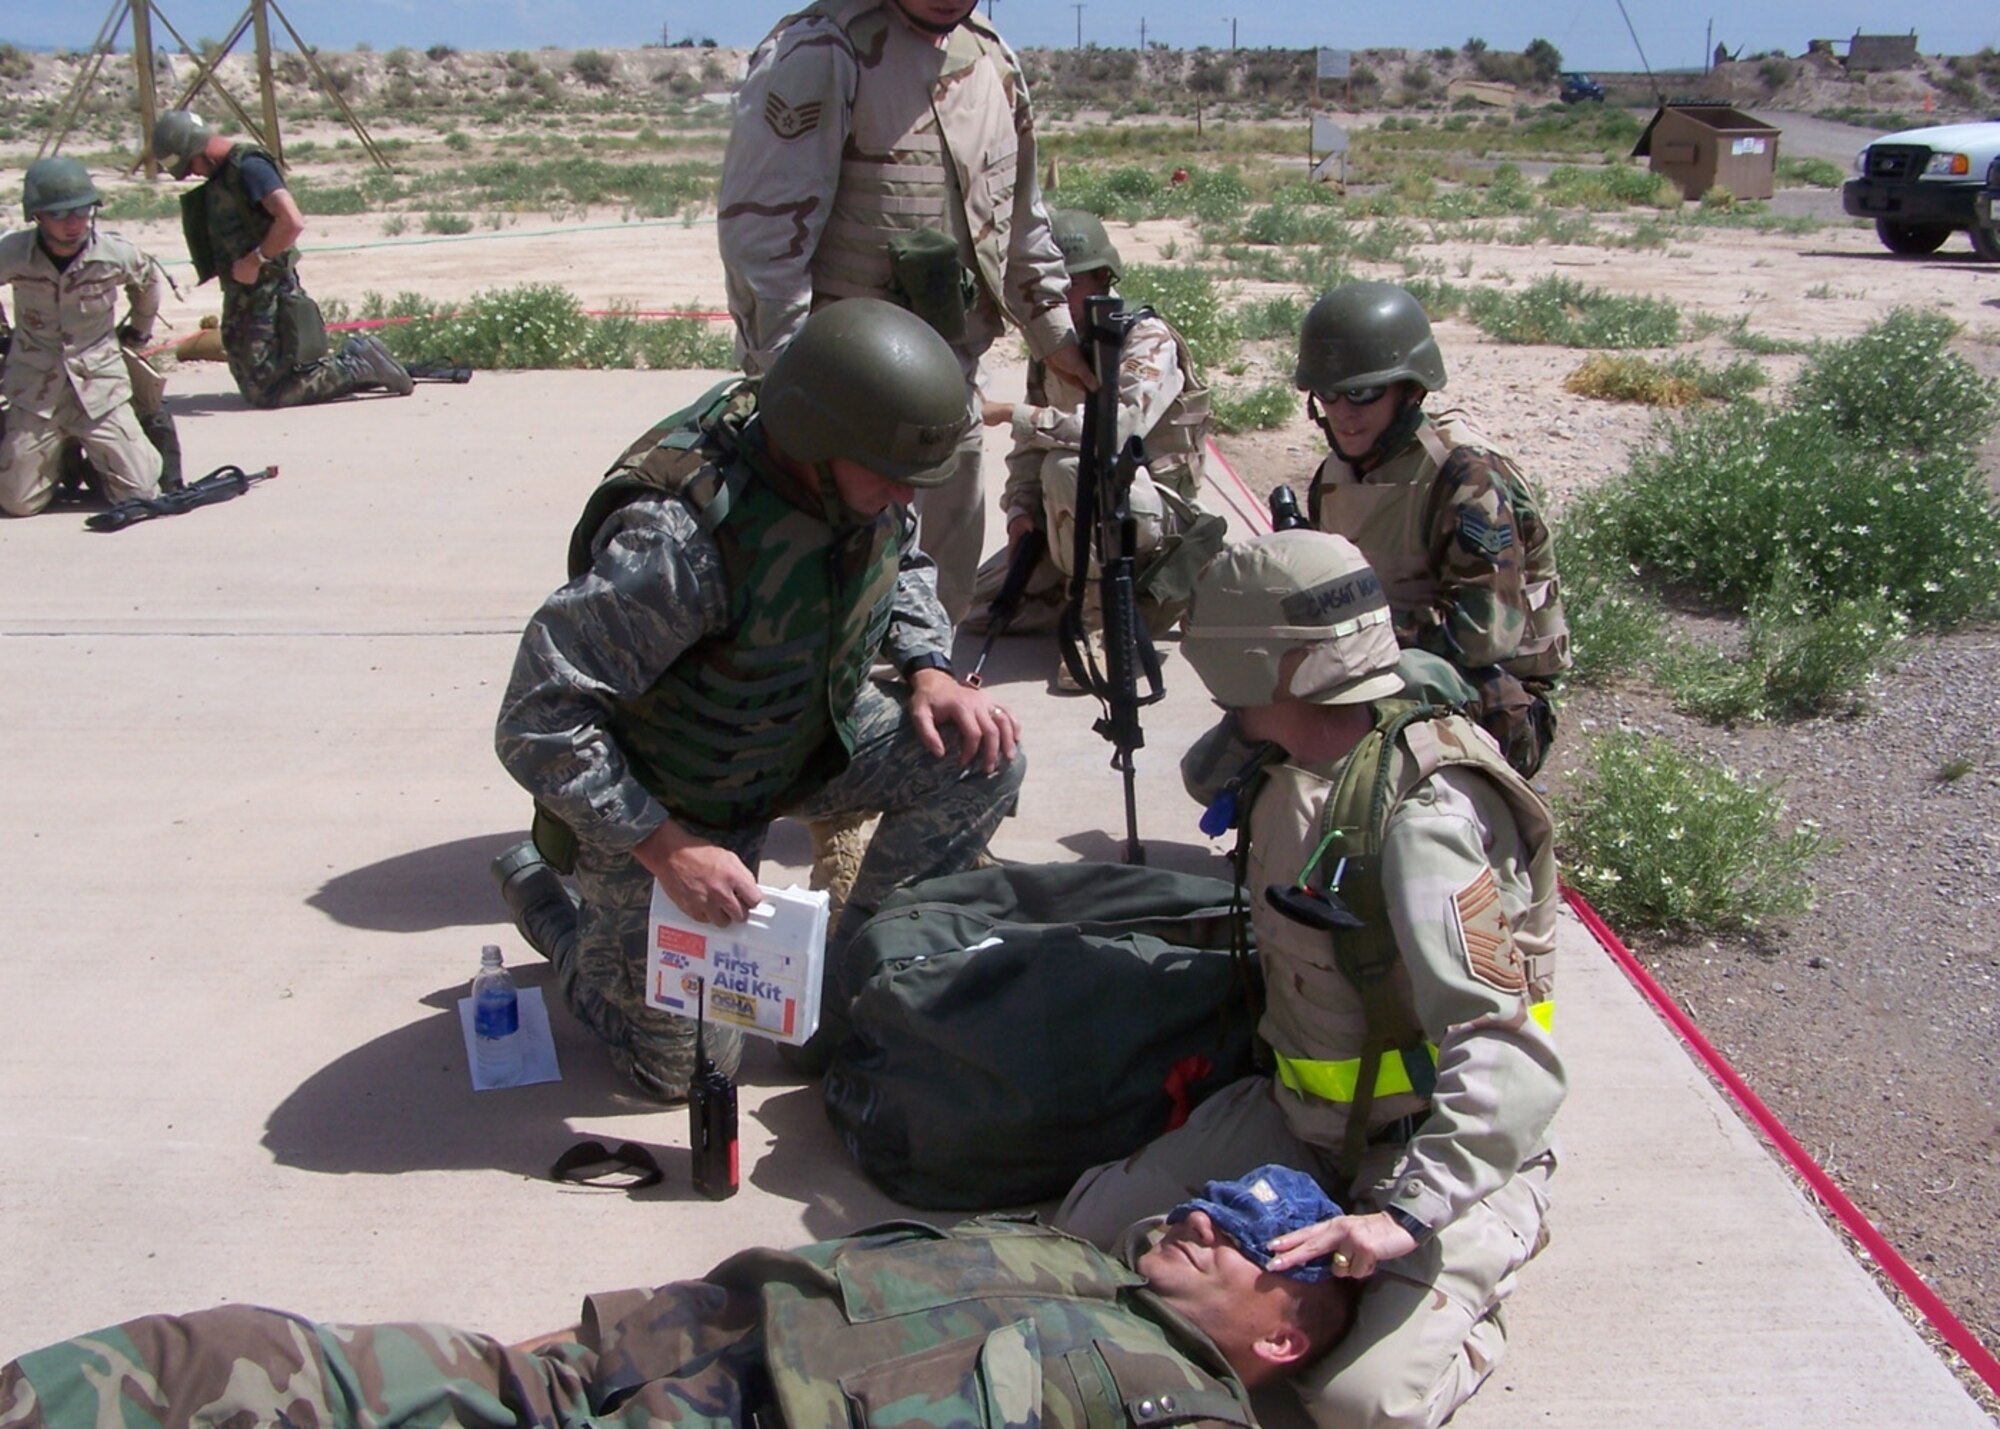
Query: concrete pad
[[249, 803]]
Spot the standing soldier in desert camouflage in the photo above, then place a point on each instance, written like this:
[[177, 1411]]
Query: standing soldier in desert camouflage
[[1449, 523], [1161, 400], [707, 668], [67, 375], [1407, 931], [992, 1321], [242, 226], [885, 148]]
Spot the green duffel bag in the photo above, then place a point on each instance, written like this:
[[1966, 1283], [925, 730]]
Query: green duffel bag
[[1014, 1026]]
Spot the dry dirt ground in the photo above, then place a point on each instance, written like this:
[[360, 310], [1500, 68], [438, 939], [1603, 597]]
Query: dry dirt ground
[[1868, 1024]]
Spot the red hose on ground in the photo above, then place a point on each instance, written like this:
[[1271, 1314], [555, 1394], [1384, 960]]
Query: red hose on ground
[[1953, 1331]]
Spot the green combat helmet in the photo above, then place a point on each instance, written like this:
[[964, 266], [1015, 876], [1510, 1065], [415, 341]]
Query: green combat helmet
[[179, 136], [57, 186], [1085, 246], [1294, 614], [871, 382], [1365, 335]]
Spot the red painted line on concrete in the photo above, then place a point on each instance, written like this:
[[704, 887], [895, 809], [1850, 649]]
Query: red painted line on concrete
[[1250, 507], [1962, 1341]]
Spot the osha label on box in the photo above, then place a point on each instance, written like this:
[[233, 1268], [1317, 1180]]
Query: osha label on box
[[762, 975]]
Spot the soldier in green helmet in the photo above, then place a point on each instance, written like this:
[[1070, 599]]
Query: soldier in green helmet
[[243, 226], [1452, 526], [67, 376], [707, 669], [1403, 893], [995, 1321], [1162, 401]]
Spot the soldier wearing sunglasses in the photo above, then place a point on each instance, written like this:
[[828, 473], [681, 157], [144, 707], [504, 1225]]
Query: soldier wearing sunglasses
[[1451, 525]]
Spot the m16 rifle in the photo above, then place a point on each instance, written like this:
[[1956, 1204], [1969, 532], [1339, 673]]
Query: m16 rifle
[[1006, 605], [1107, 531]]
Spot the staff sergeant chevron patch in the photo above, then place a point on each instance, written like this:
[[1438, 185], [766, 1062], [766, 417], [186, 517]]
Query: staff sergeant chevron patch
[[790, 121]]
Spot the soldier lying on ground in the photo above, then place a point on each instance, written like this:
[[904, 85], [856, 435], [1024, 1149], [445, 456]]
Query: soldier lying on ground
[[242, 226], [707, 669], [899, 1325]]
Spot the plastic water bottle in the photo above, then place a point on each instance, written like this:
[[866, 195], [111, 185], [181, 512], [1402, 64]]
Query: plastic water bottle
[[496, 1021]]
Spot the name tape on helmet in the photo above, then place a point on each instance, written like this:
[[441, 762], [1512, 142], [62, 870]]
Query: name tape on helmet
[[1322, 604]]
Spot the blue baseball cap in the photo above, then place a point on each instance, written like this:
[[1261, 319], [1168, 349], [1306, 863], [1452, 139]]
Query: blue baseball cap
[[1255, 1209]]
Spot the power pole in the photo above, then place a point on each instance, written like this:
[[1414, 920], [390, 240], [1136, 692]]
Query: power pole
[[989, 11], [1079, 24], [1232, 32], [1142, 34]]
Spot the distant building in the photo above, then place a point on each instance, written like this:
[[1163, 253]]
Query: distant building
[[1868, 53]]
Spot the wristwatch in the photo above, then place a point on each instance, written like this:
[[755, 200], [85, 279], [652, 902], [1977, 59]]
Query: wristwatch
[[929, 660], [1417, 1229]]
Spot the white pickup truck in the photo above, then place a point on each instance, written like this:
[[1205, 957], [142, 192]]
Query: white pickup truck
[[1921, 185]]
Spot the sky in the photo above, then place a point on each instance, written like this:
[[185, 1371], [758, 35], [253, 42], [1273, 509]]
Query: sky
[[1590, 33]]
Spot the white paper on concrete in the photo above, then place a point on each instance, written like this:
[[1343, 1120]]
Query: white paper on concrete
[[761, 975], [538, 1044]]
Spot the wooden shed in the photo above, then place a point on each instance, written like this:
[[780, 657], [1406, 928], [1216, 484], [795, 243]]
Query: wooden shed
[[1701, 145]]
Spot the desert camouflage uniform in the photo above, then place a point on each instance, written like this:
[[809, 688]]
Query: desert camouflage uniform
[[852, 127], [993, 1318], [1469, 568], [1160, 399], [656, 588], [265, 373], [66, 374], [1468, 879]]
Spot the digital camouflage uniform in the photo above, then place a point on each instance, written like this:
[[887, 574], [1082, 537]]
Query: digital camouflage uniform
[[993, 1322], [66, 372], [834, 155], [617, 718], [268, 370], [1162, 401], [1456, 534]]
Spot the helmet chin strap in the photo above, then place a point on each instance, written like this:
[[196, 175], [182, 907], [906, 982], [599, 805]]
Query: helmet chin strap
[[1394, 437]]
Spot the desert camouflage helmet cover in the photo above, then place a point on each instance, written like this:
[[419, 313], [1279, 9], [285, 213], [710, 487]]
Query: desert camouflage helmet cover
[[1365, 334], [871, 382], [57, 185], [1085, 245], [178, 135], [1291, 591]]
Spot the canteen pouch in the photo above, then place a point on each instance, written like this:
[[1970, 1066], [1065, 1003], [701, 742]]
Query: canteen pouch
[[926, 277]]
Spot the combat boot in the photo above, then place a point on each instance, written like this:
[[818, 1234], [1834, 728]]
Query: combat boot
[[542, 907], [373, 366], [839, 844]]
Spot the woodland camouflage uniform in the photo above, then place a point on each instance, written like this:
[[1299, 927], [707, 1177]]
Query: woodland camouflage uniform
[[995, 1317]]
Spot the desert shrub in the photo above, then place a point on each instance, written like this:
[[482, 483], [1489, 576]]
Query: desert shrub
[[1187, 298], [140, 204], [1615, 626], [439, 52], [445, 222], [1717, 497], [1677, 383], [1776, 73], [1811, 173], [1657, 838], [1258, 409], [15, 62], [1613, 186], [1797, 659], [593, 67], [322, 199], [1897, 385], [1271, 318], [1564, 312]]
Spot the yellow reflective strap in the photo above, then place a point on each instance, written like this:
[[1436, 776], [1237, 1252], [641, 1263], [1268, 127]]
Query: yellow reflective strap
[[1336, 1081]]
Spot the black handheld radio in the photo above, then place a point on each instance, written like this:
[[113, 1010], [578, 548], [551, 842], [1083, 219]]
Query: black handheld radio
[[711, 1114]]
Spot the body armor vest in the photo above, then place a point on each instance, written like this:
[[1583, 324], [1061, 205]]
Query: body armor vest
[[1331, 996], [1390, 513], [762, 713], [220, 222], [994, 1323], [947, 163]]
